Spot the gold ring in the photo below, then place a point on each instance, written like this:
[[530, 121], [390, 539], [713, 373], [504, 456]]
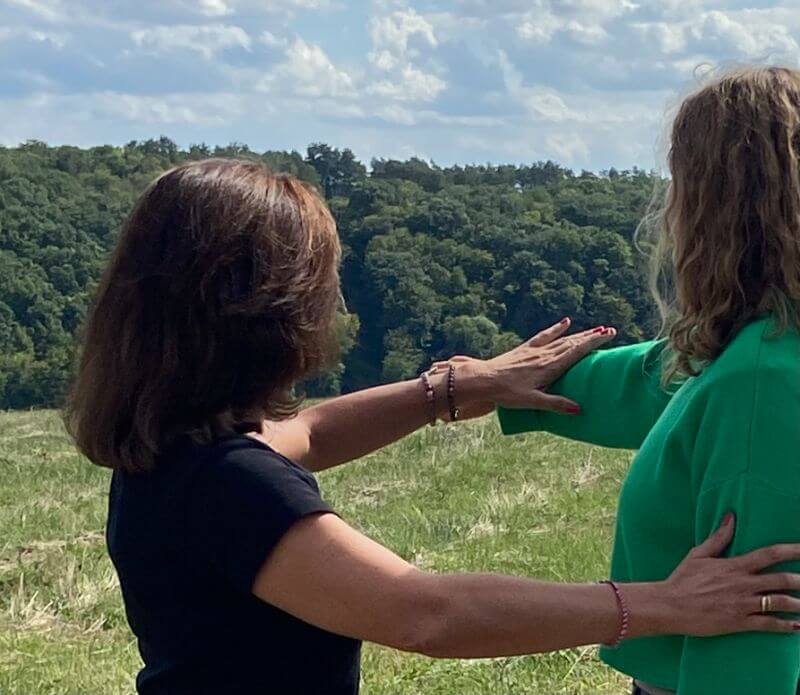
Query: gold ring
[[766, 604]]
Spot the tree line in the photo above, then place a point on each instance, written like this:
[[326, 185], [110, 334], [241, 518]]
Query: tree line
[[437, 260]]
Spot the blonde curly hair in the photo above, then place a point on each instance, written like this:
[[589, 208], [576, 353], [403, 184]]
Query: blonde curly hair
[[727, 230]]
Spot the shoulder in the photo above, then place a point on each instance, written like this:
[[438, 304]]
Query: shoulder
[[750, 398], [757, 372], [246, 497], [760, 353], [243, 461], [243, 479]]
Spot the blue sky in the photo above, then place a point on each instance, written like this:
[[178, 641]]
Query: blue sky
[[589, 83]]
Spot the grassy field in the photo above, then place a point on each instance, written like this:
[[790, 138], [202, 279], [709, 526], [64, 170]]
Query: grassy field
[[448, 499]]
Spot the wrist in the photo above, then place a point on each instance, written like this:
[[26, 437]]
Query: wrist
[[652, 608], [475, 381]]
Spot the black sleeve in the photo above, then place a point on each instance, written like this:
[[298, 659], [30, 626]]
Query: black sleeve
[[241, 507]]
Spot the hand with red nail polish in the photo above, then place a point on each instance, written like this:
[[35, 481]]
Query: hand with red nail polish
[[519, 377]]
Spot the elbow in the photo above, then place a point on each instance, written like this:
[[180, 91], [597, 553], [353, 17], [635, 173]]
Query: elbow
[[425, 620]]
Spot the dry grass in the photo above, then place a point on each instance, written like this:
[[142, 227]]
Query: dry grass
[[448, 499]]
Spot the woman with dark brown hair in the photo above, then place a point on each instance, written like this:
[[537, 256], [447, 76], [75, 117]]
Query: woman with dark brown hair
[[714, 406], [237, 577]]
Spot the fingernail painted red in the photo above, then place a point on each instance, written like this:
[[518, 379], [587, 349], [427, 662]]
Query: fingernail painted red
[[573, 409], [565, 319]]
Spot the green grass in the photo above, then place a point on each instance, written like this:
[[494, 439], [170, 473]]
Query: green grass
[[447, 499]]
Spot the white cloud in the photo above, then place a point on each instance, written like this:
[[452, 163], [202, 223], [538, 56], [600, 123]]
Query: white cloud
[[697, 65], [187, 108], [312, 67], [583, 81], [400, 115], [589, 34], [221, 8], [754, 37], [269, 39], [206, 39], [91, 118], [336, 108], [49, 10], [383, 60], [302, 4], [394, 113], [668, 38], [215, 8], [539, 27], [394, 31], [34, 78], [58, 40], [583, 21], [468, 121], [600, 8], [718, 36], [390, 36], [548, 105], [584, 110], [627, 41], [568, 147], [393, 57], [595, 8], [90, 12], [285, 6], [308, 70], [414, 85]]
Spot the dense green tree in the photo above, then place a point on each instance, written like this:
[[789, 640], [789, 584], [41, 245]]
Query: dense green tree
[[339, 171], [436, 260], [469, 335], [429, 178], [330, 383]]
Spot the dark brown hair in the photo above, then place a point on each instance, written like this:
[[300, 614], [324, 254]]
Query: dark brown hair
[[728, 229], [220, 295]]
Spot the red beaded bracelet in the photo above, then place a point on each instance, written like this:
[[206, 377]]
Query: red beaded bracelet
[[625, 616]]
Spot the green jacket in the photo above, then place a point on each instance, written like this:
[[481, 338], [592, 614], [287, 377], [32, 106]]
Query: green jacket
[[726, 440]]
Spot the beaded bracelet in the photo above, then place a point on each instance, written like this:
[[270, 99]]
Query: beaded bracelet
[[430, 394], [451, 393], [625, 616]]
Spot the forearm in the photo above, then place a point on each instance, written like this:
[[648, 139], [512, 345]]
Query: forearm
[[487, 615], [328, 574], [345, 428], [620, 397]]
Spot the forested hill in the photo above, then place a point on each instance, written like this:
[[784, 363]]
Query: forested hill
[[437, 260]]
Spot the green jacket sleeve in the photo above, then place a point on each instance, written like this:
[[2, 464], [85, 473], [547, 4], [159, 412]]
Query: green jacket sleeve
[[620, 394], [757, 448]]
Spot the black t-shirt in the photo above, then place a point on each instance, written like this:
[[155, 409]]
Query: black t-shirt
[[187, 541]]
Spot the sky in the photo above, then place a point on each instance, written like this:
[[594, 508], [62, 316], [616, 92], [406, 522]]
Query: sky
[[590, 84]]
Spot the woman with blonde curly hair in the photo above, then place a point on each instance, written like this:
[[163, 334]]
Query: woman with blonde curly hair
[[713, 407]]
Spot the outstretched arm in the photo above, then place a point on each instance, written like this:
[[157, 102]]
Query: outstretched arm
[[328, 574], [345, 428], [620, 395]]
